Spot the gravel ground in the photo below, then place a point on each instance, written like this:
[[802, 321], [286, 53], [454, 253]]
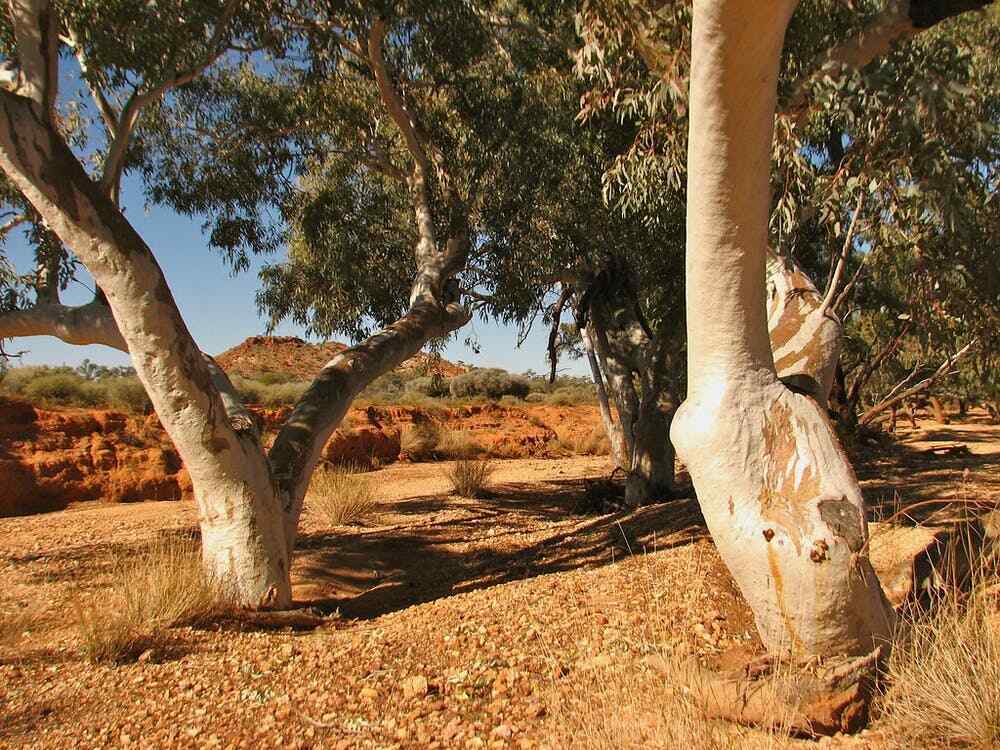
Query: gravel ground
[[453, 623]]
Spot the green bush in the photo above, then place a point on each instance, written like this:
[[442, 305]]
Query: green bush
[[272, 378], [62, 389], [283, 394], [571, 396], [125, 393], [492, 383], [431, 386], [536, 398], [249, 391]]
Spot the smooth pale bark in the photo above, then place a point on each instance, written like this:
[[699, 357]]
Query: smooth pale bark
[[241, 521], [611, 427], [779, 496], [300, 441], [249, 503], [805, 334]]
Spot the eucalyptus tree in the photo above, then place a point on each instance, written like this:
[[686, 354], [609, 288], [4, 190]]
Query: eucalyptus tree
[[759, 113], [240, 111], [875, 135]]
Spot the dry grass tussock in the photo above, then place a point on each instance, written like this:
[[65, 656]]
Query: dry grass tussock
[[471, 476], [943, 678], [341, 495], [164, 586]]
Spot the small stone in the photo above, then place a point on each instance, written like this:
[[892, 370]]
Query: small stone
[[534, 710], [369, 693], [503, 731], [146, 656], [415, 686]]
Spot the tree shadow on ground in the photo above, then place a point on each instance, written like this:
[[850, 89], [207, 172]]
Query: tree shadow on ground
[[902, 475], [521, 530]]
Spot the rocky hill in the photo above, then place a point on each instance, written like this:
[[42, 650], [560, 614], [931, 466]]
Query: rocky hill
[[300, 359]]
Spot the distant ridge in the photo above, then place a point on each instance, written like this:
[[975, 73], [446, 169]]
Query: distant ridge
[[301, 360]]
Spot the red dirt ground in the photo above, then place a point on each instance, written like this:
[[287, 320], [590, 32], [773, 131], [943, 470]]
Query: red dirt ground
[[458, 623]]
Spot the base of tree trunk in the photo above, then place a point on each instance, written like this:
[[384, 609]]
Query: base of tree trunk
[[809, 699]]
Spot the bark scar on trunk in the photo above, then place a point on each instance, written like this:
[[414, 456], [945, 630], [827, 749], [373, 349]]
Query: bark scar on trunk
[[844, 520]]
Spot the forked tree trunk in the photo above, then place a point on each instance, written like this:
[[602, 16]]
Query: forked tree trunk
[[249, 503], [780, 498]]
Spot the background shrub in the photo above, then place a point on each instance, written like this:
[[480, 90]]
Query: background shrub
[[433, 386], [491, 383], [420, 440], [127, 394], [61, 389]]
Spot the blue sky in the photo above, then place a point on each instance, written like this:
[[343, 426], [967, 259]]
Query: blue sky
[[219, 309]]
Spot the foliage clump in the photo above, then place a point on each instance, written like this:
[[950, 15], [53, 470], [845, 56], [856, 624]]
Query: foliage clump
[[492, 383]]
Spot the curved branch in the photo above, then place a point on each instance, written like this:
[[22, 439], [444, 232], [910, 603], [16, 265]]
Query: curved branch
[[923, 385], [81, 325], [114, 163], [108, 113], [845, 253], [899, 20], [297, 447], [393, 101]]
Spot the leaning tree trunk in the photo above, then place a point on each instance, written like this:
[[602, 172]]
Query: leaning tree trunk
[[241, 521], [249, 503], [780, 498]]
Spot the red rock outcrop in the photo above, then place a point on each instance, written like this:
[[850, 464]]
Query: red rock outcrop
[[49, 459]]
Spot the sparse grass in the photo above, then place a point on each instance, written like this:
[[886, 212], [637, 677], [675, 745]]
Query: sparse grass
[[942, 685], [163, 587], [644, 695], [471, 476], [341, 495], [457, 444], [420, 440], [624, 706]]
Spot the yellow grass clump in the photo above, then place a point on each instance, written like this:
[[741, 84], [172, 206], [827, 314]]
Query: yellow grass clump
[[470, 477], [341, 495], [164, 586]]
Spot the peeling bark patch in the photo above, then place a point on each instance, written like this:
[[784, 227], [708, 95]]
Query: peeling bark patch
[[790, 479], [844, 520]]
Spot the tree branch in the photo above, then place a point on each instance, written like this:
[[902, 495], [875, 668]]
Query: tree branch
[[923, 385], [557, 309], [114, 163], [36, 35], [845, 253], [108, 112], [393, 102], [899, 20]]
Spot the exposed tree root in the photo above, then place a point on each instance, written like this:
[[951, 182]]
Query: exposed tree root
[[809, 699]]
